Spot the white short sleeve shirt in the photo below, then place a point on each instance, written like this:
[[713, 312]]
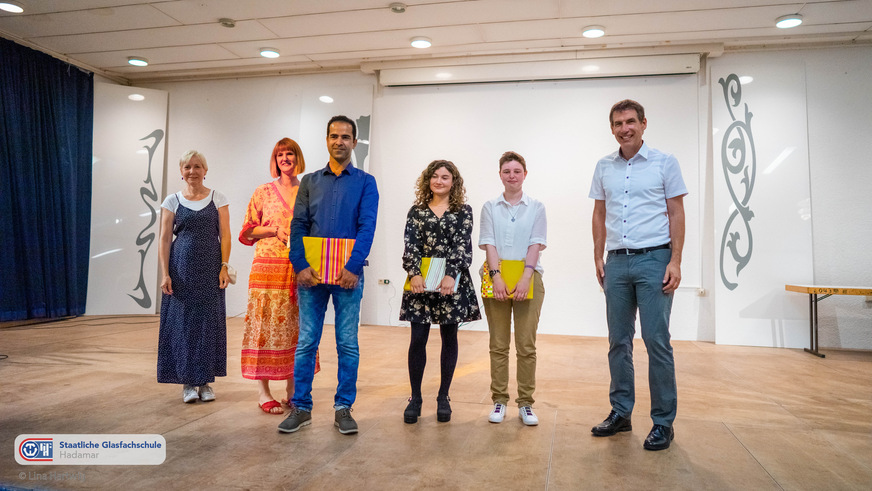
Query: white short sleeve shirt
[[635, 192]]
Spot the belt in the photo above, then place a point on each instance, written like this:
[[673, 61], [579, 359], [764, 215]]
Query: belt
[[643, 250]]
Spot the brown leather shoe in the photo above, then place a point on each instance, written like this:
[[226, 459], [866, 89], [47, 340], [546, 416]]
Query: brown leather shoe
[[612, 425]]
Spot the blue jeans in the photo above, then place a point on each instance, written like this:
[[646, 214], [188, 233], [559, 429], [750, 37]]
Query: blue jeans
[[313, 306], [636, 282]]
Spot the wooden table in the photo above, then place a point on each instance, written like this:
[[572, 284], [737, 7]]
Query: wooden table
[[813, 299]]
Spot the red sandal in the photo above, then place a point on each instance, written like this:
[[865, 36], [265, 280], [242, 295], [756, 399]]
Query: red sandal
[[268, 406]]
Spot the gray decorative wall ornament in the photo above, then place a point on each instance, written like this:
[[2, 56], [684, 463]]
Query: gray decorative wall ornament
[[739, 161], [146, 238]]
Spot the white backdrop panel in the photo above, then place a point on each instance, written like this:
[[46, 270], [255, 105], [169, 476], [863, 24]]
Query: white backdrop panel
[[129, 143], [561, 129], [763, 227]]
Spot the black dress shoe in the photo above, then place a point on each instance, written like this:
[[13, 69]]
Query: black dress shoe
[[413, 410], [659, 438], [443, 409], [613, 424]]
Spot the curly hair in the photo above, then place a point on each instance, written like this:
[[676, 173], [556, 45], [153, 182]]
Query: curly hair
[[423, 193]]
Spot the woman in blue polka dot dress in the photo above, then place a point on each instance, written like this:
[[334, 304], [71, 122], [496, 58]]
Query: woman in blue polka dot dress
[[192, 346]]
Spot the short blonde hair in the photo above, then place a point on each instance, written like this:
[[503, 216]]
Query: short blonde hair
[[187, 156]]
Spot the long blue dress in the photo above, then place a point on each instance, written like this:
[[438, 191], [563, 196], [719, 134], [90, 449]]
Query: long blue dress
[[192, 346]]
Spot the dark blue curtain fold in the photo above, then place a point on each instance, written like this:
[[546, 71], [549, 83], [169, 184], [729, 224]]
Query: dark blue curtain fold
[[46, 126]]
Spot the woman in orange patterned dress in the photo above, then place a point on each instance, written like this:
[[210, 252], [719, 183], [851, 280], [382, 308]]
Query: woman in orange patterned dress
[[272, 322]]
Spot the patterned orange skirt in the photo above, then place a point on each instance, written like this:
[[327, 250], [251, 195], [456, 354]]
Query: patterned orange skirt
[[272, 321]]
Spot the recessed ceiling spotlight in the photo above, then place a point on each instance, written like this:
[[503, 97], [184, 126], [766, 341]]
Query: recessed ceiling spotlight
[[269, 52], [397, 7], [227, 22], [593, 32], [11, 6], [788, 21], [421, 42], [137, 61], [326, 99], [136, 97]]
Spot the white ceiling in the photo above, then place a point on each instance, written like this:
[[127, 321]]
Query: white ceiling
[[183, 40]]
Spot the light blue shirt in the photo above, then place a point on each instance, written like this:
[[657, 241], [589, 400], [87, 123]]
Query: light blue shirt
[[635, 192]]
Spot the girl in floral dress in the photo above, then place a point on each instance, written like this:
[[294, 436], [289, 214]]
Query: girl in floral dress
[[439, 225]]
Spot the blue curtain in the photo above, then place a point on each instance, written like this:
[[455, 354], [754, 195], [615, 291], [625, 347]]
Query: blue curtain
[[46, 123]]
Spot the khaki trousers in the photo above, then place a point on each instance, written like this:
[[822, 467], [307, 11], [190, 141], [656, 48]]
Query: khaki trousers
[[499, 321]]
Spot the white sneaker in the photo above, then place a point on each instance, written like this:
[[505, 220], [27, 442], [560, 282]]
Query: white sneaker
[[498, 414], [528, 416], [206, 393], [189, 393]]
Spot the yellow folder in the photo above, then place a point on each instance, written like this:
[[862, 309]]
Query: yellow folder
[[433, 270], [511, 272], [328, 256]]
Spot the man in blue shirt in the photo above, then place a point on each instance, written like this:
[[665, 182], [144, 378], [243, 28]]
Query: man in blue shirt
[[339, 201], [638, 216]]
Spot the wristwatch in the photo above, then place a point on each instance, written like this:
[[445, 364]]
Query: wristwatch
[[493, 272]]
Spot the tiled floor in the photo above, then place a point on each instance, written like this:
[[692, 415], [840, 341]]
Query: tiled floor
[[748, 418]]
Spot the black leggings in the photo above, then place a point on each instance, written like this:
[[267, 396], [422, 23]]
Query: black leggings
[[418, 356]]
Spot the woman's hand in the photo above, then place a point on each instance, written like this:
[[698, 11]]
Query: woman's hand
[[446, 287], [501, 293], [416, 284], [223, 278], [521, 289], [282, 235], [166, 285]]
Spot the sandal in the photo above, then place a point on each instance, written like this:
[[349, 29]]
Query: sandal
[[268, 407]]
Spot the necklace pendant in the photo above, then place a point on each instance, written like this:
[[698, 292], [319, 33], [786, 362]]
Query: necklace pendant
[[513, 219]]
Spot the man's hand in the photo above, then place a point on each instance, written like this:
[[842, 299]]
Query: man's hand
[[347, 279], [672, 278], [600, 272], [308, 277]]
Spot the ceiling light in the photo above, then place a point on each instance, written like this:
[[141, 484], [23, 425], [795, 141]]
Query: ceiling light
[[12, 6], [788, 21], [421, 42], [227, 22], [136, 97], [269, 52], [137, 61], [326, 99], [593, 32], [397, 7]]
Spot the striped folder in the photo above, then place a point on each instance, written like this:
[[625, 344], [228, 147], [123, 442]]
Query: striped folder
[[511, 272], [433, 270], [328, 256]]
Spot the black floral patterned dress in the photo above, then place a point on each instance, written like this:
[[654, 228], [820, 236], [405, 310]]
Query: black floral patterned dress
[[449, 237]]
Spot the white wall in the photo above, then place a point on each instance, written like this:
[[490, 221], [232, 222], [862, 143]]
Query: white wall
[[561, 129], [236, 122], [839, 113]]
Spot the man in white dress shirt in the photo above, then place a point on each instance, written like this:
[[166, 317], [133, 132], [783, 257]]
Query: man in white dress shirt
[[638, 218]]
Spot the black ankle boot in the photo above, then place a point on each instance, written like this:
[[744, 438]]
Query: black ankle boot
[[413, 410], [443, 409]]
